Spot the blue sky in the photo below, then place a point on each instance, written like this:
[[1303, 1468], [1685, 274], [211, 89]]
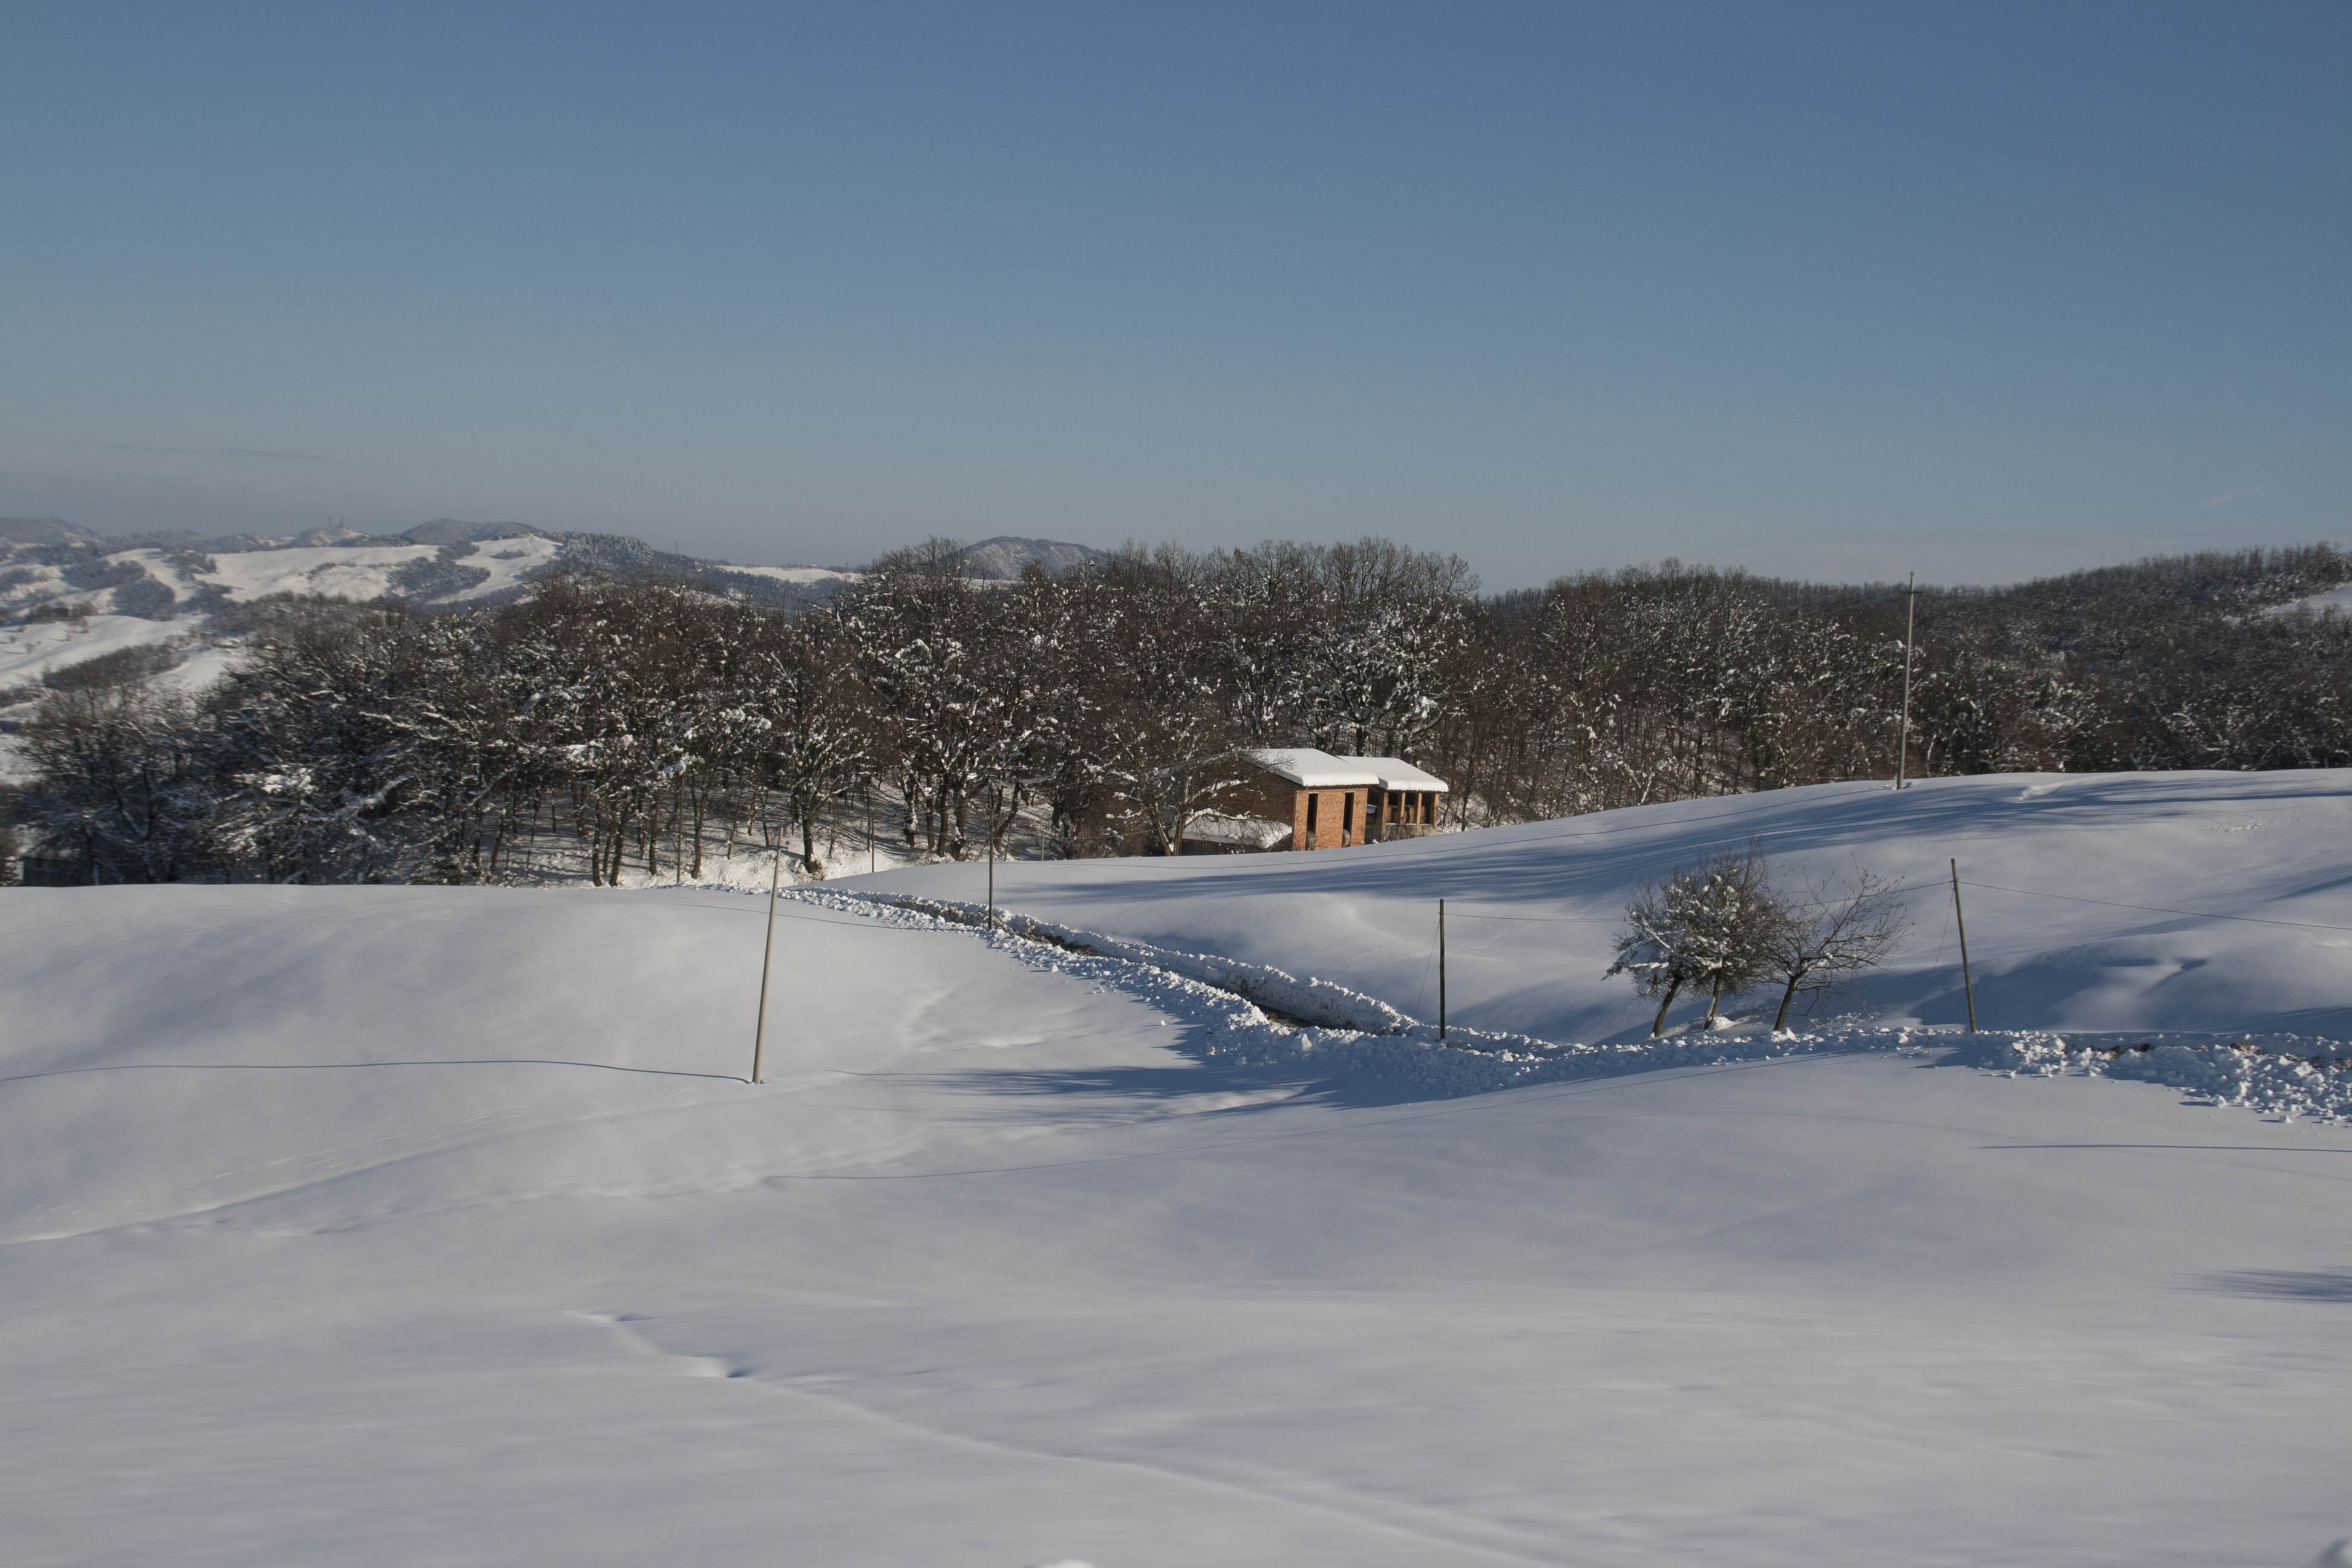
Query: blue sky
[[1834, 291]]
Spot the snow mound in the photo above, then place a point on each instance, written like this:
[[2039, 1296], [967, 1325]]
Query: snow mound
[[2279, 1074]]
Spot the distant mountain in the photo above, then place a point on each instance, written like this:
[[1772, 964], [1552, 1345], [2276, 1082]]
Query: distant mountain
[[333, 534], [444, 563], [450, 530], [44, 530], [173, 539], [1004, 557], [329, 537], [625, 555]]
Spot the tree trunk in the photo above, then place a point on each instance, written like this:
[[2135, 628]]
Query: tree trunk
[[1715, 998], [1781, 1022], [1658, 1023], [702, 814], [734, 820]]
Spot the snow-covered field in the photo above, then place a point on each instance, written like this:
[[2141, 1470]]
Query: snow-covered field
[[2093, 901], [2333, 599], [437, 1225], [341, 571], [27, 652], [357, 572], [798, 576]]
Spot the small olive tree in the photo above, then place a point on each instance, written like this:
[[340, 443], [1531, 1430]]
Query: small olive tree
[[1713, 924]]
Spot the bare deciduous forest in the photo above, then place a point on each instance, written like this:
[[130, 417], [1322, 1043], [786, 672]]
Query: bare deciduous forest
[[614, 728]]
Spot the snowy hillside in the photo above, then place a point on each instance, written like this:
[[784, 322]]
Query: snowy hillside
[[442, 563], [29, 651], [2114, 901], [2319, 604], [1006, 557], [403, 1224], [67, 595]]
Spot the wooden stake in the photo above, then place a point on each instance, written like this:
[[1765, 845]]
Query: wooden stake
[[991, 857], [767, 959], [873, 855], [1441, 971], [1903, 729], [1967, 985]]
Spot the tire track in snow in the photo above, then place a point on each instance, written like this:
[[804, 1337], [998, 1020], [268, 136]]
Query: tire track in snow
[[1436, 1529]]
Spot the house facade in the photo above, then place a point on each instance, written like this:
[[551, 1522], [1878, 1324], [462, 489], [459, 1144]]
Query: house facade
[[1295, 797]]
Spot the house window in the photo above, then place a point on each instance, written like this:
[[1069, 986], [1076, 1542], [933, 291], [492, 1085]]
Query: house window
[[1311, 801], [1347, 815]]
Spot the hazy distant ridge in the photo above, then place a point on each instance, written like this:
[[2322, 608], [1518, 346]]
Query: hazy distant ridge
[[172, 574], [1004, 557]]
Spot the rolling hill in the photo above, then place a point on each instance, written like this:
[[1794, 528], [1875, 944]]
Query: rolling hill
[[403, 1224]]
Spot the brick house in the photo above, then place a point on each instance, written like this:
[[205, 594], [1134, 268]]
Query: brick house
[[1295, 797]]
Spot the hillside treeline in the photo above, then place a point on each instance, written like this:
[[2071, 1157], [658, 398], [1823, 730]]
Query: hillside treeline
[[633, 728]]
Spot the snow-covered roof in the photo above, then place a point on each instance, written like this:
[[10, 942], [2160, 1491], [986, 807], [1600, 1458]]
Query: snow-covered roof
[[1397, 774], [1311, 769]]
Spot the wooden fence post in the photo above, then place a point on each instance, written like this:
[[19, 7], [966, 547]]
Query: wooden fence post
[[767, 958], [1967, 985]]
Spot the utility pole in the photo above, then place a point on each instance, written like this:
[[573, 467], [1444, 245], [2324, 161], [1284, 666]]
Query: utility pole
[[991, 855], [767, 959], [1441, 971], [1903, 731], [1911, 619], [1967, 985]]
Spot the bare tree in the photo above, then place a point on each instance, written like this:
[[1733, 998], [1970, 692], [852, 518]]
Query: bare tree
[[1832, 938], [119, 783]]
